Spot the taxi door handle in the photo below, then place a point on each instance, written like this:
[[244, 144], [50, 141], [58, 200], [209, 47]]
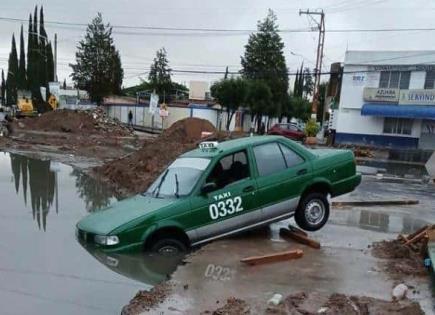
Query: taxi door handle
[[302, 172], [248, 189]]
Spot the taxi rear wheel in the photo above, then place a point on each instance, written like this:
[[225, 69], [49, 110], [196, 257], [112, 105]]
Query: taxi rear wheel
[[313, 212], [168, 247]]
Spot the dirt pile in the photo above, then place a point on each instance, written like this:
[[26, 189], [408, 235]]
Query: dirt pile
[[146, 300], [310, 304], [400, 260], [187, 130], [404, 255], [78, 122], [232, 307], [135, 172]]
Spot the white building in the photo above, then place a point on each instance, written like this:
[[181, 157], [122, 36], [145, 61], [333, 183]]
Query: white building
[[387, 99]]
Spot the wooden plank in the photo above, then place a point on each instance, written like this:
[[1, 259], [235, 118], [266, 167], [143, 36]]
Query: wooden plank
[[402, 238], [410, 236], [299, 238], [416, 238], [297, 230], [271, 258]]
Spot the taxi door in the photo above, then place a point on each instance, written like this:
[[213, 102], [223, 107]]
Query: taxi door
[[231, 205]]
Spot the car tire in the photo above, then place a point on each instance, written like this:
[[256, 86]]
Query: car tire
[[168, 247], [312, 212]]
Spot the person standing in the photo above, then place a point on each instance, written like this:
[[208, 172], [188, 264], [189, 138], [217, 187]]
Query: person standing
[[130, 118]]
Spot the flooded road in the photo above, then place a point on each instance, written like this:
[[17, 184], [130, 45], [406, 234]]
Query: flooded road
[[43, 269]]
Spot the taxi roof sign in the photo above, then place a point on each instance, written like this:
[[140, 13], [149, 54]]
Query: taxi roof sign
[[208, 145]]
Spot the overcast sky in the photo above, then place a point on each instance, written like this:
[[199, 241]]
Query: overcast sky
[[213, 52]]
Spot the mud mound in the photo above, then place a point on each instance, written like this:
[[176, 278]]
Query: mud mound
[[399, 258], [78, 122], [303, 303], [188, 130], [393, 249], [145, 300], [135, 172], [233, 307]]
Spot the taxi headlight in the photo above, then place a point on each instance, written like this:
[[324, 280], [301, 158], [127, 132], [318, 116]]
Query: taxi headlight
[[106, 239]]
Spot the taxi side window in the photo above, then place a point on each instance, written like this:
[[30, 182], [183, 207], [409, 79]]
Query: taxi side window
[[269, 159], [229, 169], [291, 158]]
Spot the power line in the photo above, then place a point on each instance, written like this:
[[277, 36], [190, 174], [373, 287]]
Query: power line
[[197, 31]]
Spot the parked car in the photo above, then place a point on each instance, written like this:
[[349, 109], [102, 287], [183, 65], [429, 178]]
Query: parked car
[[289, 130], [223, 188]]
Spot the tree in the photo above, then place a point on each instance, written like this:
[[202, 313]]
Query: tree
[[96, 58], [322, 100], [11, 83], [258, 99], [160, 73], [300, 108], [21, 76], [264, 60], [117, 74], [308, 84], [231, 94], [296, 84], [30, 54], [3, 89], [36, 66], [50, 63]]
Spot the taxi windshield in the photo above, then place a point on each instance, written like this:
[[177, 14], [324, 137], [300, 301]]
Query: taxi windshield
[[179, 178]]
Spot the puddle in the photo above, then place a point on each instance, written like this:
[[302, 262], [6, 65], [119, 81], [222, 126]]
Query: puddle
[[43, 269]]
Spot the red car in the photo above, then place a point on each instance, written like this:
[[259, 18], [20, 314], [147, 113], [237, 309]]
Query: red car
[[289, 130]]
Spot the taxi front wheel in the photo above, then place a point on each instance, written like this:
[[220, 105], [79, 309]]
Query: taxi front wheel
[[168, 247], [313, 212]]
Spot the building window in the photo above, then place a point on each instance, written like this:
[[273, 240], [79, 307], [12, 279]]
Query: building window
[[400, 126], [430, 79], [395, 79]]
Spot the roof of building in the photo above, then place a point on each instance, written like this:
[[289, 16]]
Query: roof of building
[[393, 57]]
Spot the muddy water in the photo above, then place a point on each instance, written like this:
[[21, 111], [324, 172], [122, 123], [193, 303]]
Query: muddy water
[[43, 269]]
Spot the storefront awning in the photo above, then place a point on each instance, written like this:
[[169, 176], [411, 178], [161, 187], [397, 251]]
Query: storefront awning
[[398, 111]]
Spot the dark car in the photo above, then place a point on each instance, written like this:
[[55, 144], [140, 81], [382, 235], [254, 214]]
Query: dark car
[[288, 130]]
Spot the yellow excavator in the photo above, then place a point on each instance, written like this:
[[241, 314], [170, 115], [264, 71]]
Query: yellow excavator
[[25, 108]]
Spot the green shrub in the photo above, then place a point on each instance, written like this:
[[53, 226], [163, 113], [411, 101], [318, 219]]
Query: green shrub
[[311, 128]]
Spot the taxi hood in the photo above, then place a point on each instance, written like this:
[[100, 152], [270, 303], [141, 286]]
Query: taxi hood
[[122, 212]]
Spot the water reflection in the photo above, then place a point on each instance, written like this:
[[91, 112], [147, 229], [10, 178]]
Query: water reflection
[[149, 269], [378, 221], [94, 193], [38, 180]]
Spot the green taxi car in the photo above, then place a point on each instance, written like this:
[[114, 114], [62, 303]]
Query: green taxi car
[[223, 188]]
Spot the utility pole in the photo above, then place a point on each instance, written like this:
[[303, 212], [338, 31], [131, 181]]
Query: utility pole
[[55, 57], [319, 58]]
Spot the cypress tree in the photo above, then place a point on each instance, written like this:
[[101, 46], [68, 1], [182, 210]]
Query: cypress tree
[[11, 84], [3, 89], [21, 79], [295, 84], [49, 63], [30, 55], [301, 81], [43, 49], [36, 71]]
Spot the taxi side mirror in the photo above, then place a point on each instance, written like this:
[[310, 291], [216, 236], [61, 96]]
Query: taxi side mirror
[[208, 187]]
